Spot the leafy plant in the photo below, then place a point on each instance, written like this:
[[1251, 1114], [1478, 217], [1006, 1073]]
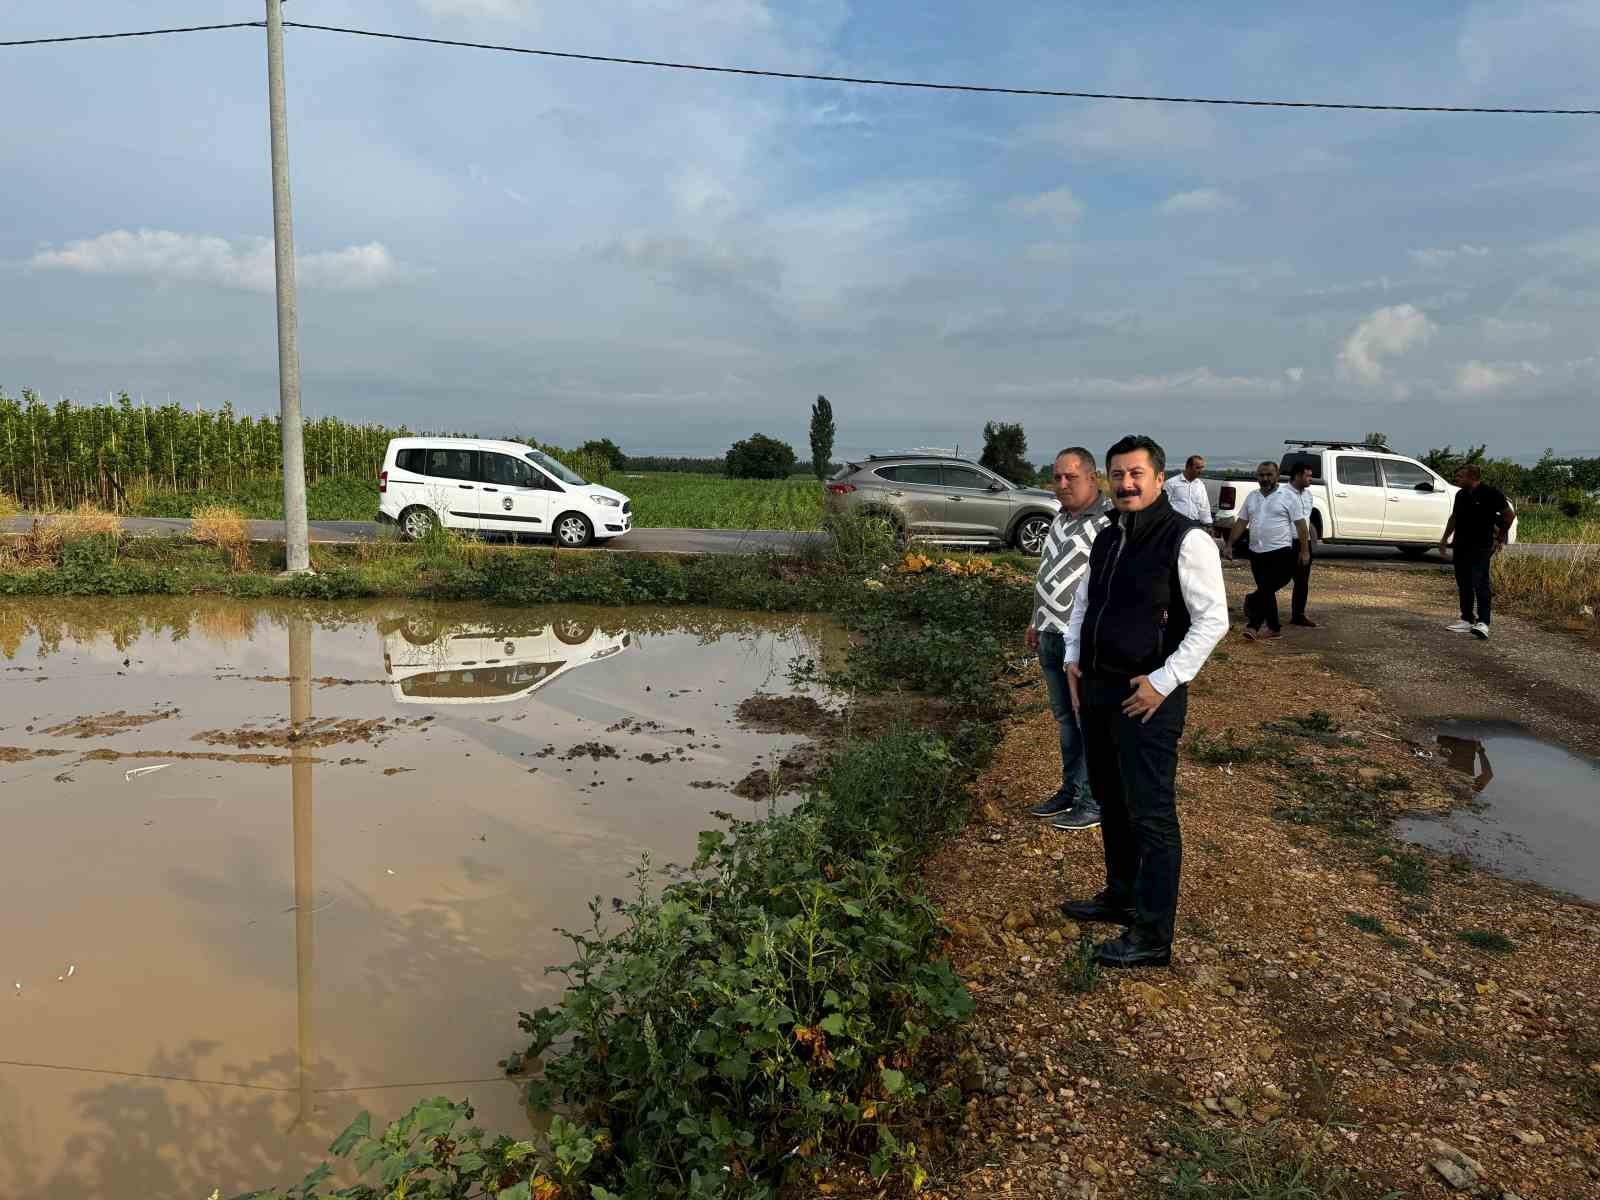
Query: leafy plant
[[1488, 940], [1080, 970]]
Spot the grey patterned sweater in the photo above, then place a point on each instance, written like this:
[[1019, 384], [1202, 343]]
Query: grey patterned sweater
[[1063, 562]]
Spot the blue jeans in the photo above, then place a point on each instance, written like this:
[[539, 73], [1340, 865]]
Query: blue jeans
[[1074, 772]]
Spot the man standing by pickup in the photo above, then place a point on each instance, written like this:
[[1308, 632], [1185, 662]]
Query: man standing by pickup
[[1188, 492], [1480, 522], [1272, 517], [1065, 557], [1300, 481], [1150, 610]]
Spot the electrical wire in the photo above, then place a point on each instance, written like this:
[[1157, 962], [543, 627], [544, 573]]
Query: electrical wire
[[858, 80]]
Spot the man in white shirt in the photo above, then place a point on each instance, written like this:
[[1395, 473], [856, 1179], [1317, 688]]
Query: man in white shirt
[[1150, 610], [1272, 517], [1300, 481], [1188, 492]]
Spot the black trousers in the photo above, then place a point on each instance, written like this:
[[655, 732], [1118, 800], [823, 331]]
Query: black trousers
[[1302, 585], [1472, 583], [1133, 772], [1271, 569]]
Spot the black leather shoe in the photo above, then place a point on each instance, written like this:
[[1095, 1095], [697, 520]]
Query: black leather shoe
[[1307, 622], [1098, 909], [1131, 951], [1061, 802]]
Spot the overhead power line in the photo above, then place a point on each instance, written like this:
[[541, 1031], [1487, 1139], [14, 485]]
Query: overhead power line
[[864, 81], [138, 33]]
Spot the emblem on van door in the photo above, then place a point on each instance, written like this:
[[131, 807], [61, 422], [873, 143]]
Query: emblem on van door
[[506, 504]]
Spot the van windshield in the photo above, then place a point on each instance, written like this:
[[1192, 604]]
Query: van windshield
[[559, 470]]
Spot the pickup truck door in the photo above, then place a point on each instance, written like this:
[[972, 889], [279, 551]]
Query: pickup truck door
[[1417, 503], [1357, 498]]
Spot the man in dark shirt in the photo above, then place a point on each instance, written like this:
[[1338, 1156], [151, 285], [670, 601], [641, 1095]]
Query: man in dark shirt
[[1479, 524]]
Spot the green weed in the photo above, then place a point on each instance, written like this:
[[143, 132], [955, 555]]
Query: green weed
[[1079, 971], [1223, 749], [1230, 1164], [1488, 940]]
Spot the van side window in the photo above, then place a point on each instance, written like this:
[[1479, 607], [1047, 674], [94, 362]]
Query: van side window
[[506, 471], [1358, 471], [409, 460], [450, 463]]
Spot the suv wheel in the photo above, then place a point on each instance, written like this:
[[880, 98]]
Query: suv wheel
[[417, 523], [573, 530], [1031, 534]]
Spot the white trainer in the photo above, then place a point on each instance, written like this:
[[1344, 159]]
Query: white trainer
[[1481, 632], [1460, 627]]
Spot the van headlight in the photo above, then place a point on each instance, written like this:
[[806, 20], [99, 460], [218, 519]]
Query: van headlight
[[608, 501]]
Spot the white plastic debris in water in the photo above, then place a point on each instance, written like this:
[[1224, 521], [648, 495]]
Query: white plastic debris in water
[[138, 771], [71, 967], [388, 871]]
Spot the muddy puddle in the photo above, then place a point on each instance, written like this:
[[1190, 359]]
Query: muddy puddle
[[1535, 813], [264, 868]]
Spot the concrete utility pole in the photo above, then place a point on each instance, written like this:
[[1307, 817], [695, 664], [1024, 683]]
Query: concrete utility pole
[[296, 538]]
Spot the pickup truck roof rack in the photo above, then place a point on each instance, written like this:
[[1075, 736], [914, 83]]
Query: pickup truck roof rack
[[1337, 445]]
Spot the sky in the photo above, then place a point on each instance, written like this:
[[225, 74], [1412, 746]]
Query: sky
[[512, 245]]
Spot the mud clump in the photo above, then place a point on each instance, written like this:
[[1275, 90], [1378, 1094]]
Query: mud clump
[[107, 724], [590, 750], [15, 754], [785, 714], [755, 786], [260, 760], [326, 731]]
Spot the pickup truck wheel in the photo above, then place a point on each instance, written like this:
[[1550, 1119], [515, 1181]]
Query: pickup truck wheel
[[1031, 534], [1414, 553]]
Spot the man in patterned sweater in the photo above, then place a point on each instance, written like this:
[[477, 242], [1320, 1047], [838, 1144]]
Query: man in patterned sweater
[[1084, 513]]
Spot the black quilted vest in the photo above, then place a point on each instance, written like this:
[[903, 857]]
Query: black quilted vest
[[1136, 616]]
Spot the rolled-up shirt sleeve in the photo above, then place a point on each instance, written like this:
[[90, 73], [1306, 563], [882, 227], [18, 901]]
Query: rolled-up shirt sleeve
[[1073, 638], [1200, 580]]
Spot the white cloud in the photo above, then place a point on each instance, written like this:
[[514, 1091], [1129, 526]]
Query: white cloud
[[1581, 246], [1439, 256], [501, 10], [1477, 378], [1295, 374], [245, 265], [1200, 200], [1500, 330], [1196, 382], [1385, 333], [698, 266], [1114, 126], [1059, 206]]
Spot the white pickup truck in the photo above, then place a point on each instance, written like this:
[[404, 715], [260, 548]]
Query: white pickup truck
[[1360, 494]]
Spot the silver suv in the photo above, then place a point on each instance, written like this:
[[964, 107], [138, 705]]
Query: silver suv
[[950, 500]]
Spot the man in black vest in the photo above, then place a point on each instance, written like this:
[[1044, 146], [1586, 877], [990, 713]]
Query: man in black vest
[[1150, 609]]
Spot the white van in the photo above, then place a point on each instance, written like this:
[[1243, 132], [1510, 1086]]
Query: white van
[[493, 487], [429, 665]]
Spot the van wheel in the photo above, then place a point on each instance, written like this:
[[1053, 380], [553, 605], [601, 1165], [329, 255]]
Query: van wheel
[[417, 522], [1031, 535], [573, 530], [572, 632]]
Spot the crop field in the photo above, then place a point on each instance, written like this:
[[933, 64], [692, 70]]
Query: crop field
[[660, 500]]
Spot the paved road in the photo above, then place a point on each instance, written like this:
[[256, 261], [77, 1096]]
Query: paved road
[[695, 541]]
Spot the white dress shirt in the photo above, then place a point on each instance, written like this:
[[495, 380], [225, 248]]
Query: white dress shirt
[[1271, 517], [1190, 498], [1200, 581]]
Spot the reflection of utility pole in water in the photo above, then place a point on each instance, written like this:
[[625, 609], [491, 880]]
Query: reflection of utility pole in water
[[304, 886]]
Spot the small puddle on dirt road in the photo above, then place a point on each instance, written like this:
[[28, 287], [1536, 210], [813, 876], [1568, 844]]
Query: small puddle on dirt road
[[1537, 809], [341, 886]]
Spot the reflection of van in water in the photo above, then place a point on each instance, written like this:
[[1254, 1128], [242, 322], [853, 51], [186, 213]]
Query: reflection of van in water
[[427, 664]]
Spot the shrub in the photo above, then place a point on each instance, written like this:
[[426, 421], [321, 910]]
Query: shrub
[[8, 506], [87, 520], [760, 457], [223, 527]]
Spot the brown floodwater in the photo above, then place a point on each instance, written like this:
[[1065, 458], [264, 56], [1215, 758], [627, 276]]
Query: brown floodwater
[[264, 867]]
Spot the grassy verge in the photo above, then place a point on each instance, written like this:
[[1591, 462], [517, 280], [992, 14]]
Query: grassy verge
[[1537, 523], [1561, 591], [665, 499], [780, 1007]]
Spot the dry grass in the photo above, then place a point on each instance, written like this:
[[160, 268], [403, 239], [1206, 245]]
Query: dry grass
[[224, 528], [1562, 590], [36, 549], [87, 520], [8, 505]]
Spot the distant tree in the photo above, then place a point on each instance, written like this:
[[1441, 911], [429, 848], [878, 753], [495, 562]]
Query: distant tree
[[822, 431], [1377, 439], [1005, 449], [1447, 460], [760, 457], [607, 449]]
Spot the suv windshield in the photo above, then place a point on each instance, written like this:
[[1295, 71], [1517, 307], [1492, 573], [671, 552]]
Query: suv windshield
[[543, 460]]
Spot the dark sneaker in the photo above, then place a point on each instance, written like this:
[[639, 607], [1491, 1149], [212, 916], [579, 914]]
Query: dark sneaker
[[1099, 908], [1083, 815], [1061, 802], [1132, 951], [1304, 622]]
